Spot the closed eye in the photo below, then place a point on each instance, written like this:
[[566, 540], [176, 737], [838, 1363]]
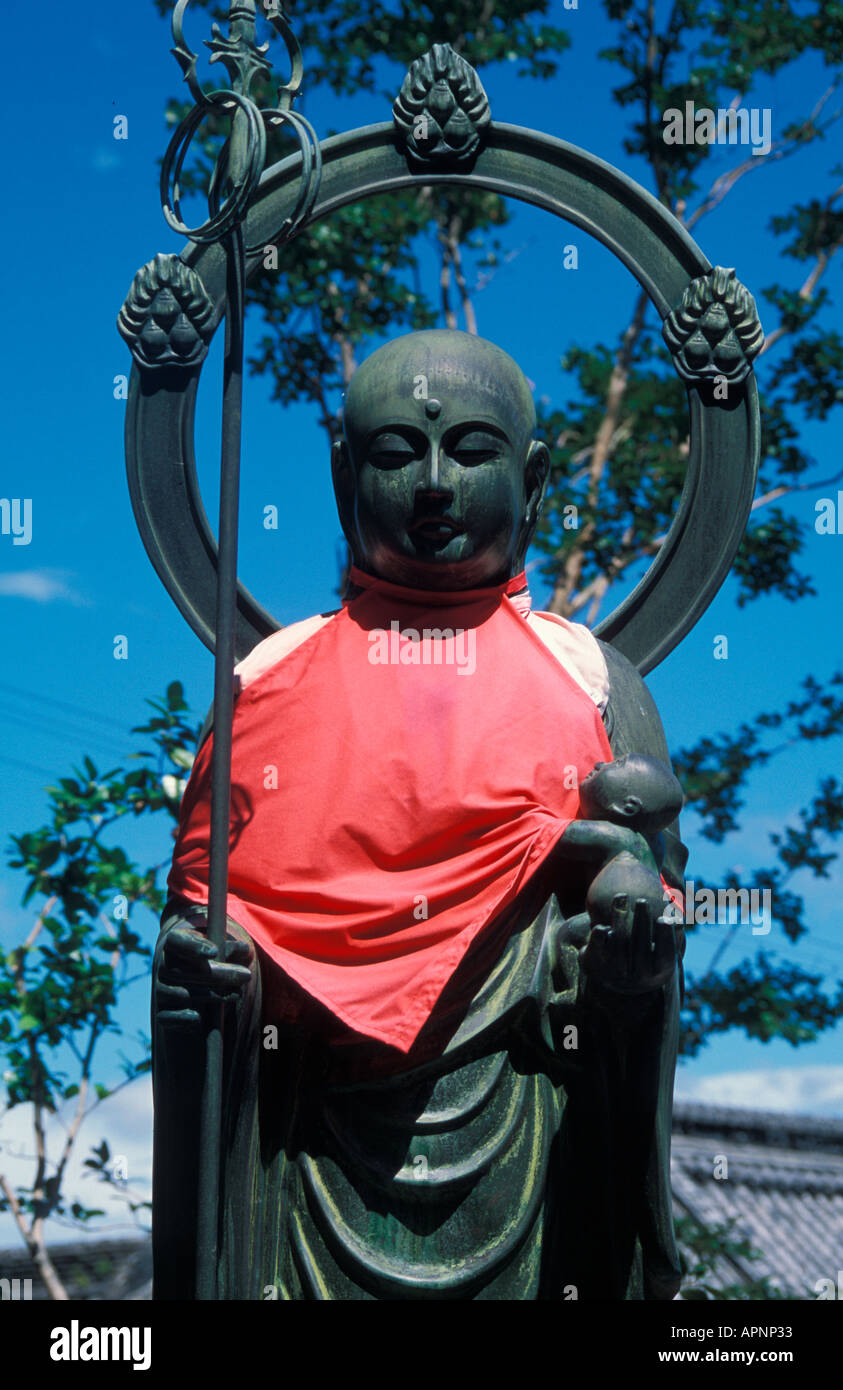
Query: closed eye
[[474, 456], [391, 450], [475, 446]]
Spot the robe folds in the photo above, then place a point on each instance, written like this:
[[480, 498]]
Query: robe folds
[[419, 1107]]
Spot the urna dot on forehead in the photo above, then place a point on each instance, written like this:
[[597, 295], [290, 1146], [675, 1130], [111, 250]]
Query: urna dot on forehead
[[458, 371]]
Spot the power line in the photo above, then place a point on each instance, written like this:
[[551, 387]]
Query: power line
[[62, 704], [28, 767], [101, 741]]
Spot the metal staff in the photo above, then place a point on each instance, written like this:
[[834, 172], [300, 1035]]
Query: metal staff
[[233, 184], [211, 1112]]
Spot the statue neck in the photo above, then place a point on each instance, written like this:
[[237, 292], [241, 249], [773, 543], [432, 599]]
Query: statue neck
[[515, 588]]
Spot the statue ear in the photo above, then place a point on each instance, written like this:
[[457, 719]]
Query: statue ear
[[536, 470], [632, 805], [342, 475], [341, 471]]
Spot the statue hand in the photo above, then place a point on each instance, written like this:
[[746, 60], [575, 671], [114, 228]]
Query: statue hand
[[636, 954], [190, 975]]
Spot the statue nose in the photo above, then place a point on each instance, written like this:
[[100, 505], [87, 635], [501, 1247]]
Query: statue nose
[[434, 473]]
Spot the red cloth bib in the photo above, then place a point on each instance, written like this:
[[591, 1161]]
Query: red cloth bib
[[394, 787]]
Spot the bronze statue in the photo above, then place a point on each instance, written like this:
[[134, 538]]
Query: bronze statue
[[451, 998], [451, 995]]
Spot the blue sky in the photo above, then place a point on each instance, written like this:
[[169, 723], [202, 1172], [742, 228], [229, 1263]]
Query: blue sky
[[83, 215]]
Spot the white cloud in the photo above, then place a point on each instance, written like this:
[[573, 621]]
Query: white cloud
[[793, 1090], [43, 586]]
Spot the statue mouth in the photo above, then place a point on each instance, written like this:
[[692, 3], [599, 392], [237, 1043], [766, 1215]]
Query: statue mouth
[[435, 528]]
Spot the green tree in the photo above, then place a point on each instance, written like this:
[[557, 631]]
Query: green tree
[[627, 474], [60, 990]]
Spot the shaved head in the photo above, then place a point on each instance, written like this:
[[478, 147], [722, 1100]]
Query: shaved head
[[634, 790], [459, 370]]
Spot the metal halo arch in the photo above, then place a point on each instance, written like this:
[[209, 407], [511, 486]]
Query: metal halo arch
[[535, 168]]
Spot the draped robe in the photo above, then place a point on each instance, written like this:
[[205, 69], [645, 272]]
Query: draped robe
[[512, 1140]]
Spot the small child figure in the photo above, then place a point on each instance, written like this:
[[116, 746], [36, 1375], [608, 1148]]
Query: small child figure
[[626, 805]]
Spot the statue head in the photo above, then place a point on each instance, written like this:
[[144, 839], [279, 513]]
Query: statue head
[[439, 478], [636, 790]]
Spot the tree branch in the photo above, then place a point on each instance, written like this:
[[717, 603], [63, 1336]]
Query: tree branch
[[724, 184], [453, 234], [785, 488], [35, 1245], [445, 281], [566, 584], [810, 284], [79, 1113]]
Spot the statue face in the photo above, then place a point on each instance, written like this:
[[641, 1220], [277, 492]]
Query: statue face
[[439, 480], [636, 790], [445, 494]]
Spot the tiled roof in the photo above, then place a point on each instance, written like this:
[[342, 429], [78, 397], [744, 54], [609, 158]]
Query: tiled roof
[[90, 1270], [780, 1187]]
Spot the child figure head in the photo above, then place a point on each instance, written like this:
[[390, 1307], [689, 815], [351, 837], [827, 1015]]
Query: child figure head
[[635, 790]]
